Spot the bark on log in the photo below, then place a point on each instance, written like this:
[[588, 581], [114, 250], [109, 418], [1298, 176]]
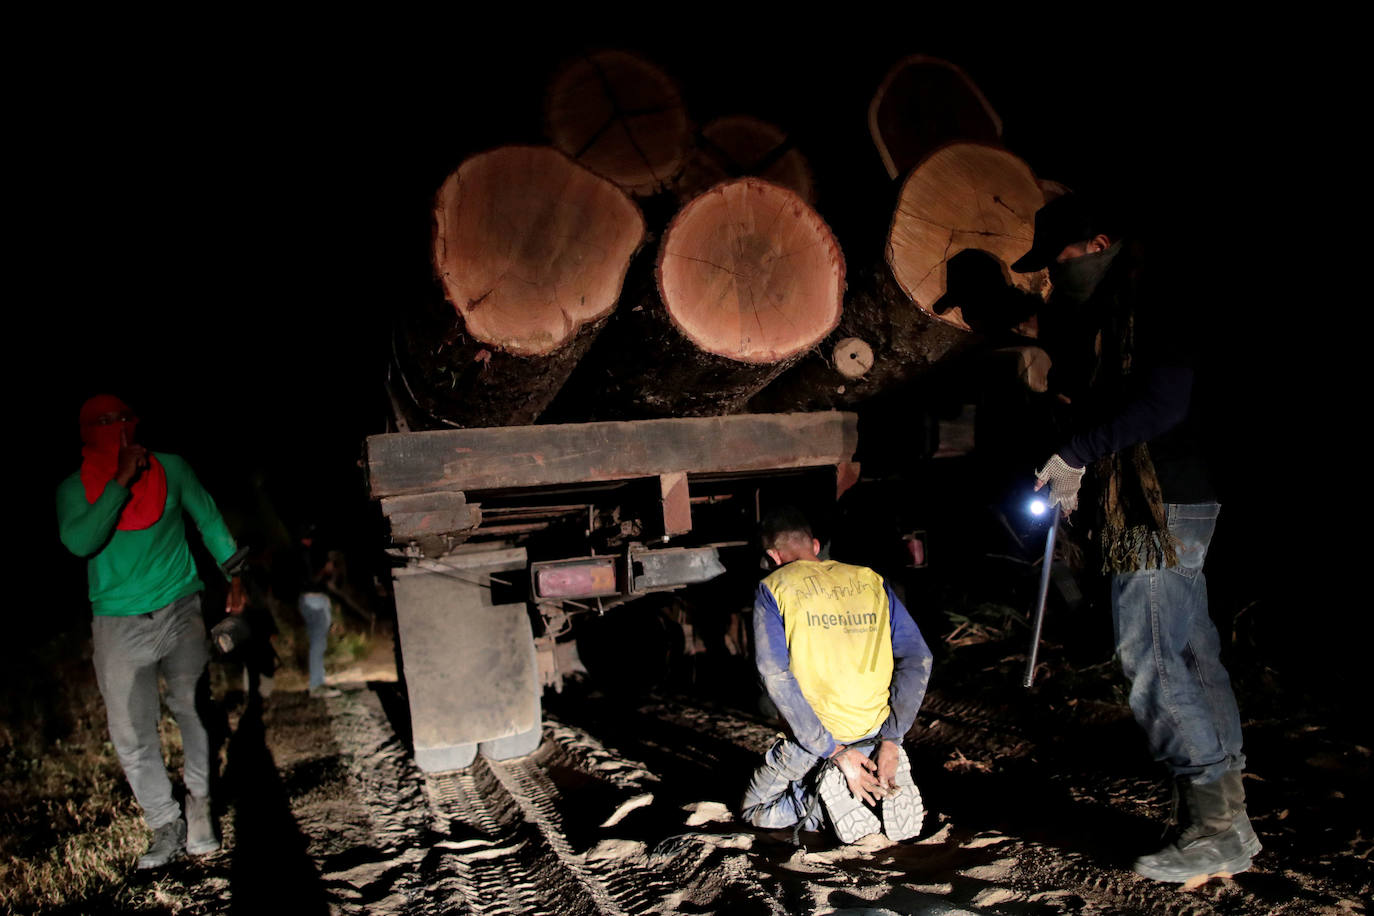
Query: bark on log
[[530, 251], [963, 215], [741, 146], [922, 104], [748, 280], [622, 117]]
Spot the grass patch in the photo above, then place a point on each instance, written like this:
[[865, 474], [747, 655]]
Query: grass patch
[[70, 830], [349, 646]]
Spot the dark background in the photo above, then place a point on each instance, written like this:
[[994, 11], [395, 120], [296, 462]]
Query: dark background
[[217, 217]]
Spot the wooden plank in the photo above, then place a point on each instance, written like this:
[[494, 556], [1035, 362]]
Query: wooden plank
[[407, 525], [533, 456], [425, 514], [677, 504], [846, 475], [446, 501]]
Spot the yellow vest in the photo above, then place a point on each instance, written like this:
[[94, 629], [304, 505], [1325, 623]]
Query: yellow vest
[[839, 642]]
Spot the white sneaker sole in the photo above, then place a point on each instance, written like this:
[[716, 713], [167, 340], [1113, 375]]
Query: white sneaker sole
[[850, 818], [903, 813]]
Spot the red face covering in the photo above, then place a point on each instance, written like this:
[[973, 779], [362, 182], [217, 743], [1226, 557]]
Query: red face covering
[[100, 462]]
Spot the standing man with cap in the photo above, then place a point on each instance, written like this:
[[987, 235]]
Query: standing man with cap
[[123, 512], [1123, 371]]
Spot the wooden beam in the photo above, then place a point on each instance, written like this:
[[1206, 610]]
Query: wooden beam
[[429, 514], [677, 505], [533, 456]]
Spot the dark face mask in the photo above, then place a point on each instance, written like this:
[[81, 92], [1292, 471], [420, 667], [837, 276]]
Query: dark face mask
[[1076, 280]]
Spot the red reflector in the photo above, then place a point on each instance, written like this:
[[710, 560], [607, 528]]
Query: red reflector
[[571, 580]]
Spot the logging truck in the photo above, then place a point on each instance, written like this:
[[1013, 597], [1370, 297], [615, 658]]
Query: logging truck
[[503, 535], [591, 407]]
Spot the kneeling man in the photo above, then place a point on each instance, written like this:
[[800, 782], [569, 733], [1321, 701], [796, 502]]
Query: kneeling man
[[847, 668]]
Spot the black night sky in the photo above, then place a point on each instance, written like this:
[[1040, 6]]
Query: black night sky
[[215, 223]]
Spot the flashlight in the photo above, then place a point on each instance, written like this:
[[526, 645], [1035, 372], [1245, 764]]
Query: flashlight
[[1038, 505], [1043, 592]]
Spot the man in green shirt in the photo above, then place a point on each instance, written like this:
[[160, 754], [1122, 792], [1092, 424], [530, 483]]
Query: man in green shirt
[[123, 511]]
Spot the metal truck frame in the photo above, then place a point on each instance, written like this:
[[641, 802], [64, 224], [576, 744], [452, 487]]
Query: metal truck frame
[[467, 508]]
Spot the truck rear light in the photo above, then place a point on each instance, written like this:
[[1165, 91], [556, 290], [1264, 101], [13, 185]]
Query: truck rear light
[[915, 544], [576, 578]]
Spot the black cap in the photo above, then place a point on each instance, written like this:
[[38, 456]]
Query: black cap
[[1061, 222]]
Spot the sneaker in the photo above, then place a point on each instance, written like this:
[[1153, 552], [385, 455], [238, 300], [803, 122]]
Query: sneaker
[[200, 827], [168, 843], [902, 813], [851, 819], [325, 692]]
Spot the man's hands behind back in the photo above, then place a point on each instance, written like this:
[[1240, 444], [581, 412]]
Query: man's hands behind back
[[889, 755], [861, 773]]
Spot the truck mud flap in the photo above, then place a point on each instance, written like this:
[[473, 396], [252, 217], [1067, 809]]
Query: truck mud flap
[[470, 666]]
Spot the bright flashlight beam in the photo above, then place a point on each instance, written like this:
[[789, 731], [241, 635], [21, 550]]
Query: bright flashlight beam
[[1038, 506]]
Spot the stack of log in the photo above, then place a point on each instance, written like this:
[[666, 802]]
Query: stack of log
[[557, 299]]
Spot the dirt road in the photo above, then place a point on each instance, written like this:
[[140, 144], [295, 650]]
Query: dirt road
[[1035, 804]]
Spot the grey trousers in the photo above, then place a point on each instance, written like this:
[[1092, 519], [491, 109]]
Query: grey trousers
[[130, 653], [779, 794]]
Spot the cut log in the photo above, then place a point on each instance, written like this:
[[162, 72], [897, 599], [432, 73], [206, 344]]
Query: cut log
[[622, 117], [741, 146], [964, 197], [749, 279], [530, 250], [963, 215], [923, 104]]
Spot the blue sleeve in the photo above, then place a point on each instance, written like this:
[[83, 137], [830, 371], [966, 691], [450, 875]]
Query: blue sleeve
[[774, 663], [910, 671], [1160, 404]]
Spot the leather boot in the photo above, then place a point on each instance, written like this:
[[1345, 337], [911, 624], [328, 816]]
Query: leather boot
[[168, 842], [200, 828], [1234, 789], [1209, 844]]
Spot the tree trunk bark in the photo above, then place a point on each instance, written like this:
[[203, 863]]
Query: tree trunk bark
[[922, 104], [742, 146], [530, 251], [748, 280], [963, 215], [622, 117]]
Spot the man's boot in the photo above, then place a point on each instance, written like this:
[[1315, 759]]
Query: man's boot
[[200, 828], [1234, 790], [168, 842], [1209, 845]]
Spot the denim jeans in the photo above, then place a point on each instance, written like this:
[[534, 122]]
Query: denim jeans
[[1169, 650], [318, 613], [130, 653]]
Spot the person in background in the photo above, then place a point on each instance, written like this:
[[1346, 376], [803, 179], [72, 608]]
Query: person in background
[[316, 607], [123, 511]]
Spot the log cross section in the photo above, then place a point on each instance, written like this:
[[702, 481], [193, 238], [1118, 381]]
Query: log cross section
[[533, 456]]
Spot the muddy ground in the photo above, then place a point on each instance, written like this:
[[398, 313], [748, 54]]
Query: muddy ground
[[1036, 803]]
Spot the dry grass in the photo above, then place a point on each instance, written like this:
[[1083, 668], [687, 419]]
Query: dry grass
[[69, 827], [70, 830]]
